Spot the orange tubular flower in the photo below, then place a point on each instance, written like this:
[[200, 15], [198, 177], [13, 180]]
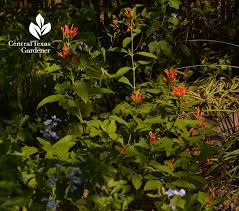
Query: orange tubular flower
[[180, 91], [170, 163], [153, 138], [65, 51], [187, 72], [122, 151], [128, 12], [171, 75], [137, 97], [69, 32], [199, 116]]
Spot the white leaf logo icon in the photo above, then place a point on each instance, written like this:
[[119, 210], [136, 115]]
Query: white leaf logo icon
[[40, 29]]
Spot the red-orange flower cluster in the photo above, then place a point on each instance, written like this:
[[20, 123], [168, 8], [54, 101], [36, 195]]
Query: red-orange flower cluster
[[199, 116], [128, 12], [153, 138], [65, 51], [137, 97], [171, 75], [129, 15], [180, 91], [69, 31]]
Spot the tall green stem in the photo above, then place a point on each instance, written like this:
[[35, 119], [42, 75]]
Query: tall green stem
[[132, 52], [78, 108]]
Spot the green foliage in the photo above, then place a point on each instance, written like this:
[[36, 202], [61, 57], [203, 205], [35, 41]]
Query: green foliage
[[128, 132]]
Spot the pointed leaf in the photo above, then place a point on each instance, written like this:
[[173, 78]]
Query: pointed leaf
[[174, 4], [147, 54], [62, 147], [53, 68], [27, 151], [184, 184], [143, 62], [111, 127], [121, 72], [121, 50], [137, 181], [152, 185], [40, 20], [125, 80], [120, 120], [35, 30], [50, 99], [126, 41], [82, 90], [46, 28]]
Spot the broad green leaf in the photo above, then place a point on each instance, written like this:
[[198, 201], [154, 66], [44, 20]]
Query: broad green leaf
[[163, 168], [147, 54], [52, 68], [152, 185], [125, 81], [126, 41], [104, 91], [29, 179], [62, 147], [153, 91], [184, 184], [179, 202], [166, 48], [111, 127], [154, 47], [137, 181], [45, 144], [142, 143], [202, 197], [81, 90], [50, 99], [174, 4], [120, 120], [27, 151], [122, 71]]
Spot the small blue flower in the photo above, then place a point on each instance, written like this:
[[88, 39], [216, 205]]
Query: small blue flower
[[173, 206], [182, 192], [46, 133], [73, 188], [75, 180], [47, 122], [55, 120], [52, 180], [170, 192], [51, 203], [53, 135]]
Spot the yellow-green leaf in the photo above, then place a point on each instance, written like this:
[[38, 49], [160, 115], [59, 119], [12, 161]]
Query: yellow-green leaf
[[147, 54]]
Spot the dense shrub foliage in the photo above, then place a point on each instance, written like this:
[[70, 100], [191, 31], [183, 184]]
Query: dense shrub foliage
[[128, 112]]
